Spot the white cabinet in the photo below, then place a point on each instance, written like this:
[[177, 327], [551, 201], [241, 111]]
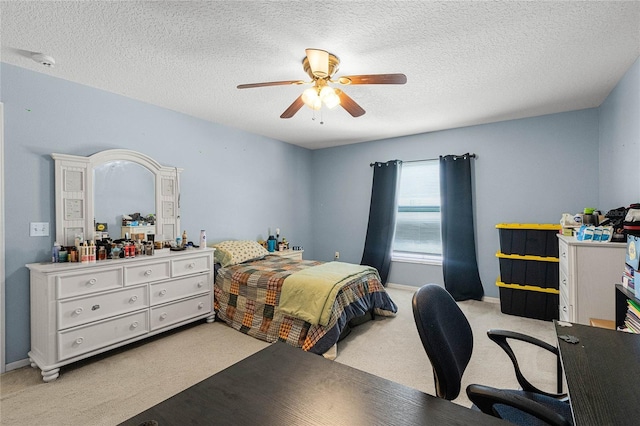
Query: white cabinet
[[588, 274], [79, 310]]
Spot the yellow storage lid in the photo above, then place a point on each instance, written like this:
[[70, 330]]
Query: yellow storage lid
[[527, 287], [536, 226], [500, 254]]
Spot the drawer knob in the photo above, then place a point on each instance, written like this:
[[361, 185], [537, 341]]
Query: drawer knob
[[92, 281], [134, 325], [78, 311], [564, 309], [79, 340], [147, 272], [163, 316], [133, 299], [191, 265], [200, 305], [163, 292], [200, 284]]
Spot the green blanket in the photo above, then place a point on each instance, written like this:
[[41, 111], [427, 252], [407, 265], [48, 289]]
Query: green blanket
[[309, 294]]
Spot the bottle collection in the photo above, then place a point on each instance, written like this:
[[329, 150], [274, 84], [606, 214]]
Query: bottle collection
[[104, 248], [275, 243]]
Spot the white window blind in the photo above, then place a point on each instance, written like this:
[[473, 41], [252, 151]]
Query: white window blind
[[417, 234]]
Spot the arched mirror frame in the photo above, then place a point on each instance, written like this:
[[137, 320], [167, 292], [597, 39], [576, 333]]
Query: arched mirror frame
[[75, 207]]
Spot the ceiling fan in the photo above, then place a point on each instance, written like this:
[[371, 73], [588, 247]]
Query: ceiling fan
[[321, 67]]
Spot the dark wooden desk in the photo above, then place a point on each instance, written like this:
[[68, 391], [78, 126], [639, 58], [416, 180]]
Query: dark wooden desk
[[603, 375], [282, 385]]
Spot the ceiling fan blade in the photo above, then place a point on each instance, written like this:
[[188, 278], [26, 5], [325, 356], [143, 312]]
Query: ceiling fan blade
[[349, 104], [374, 79], [293, 108], [270, 83]]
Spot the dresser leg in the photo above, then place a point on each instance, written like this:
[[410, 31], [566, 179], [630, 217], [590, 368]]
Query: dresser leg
[[33, 363], [211, 319], [50, 375]]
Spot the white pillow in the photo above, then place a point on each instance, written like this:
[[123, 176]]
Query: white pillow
[[233, 252]]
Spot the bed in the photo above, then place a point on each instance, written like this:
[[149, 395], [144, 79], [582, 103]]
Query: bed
[[267, 296]]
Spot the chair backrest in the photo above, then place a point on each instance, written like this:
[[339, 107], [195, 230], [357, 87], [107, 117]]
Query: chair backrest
[[446, 336]]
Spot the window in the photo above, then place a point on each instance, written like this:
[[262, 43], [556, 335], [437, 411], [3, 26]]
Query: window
[[417, 236]]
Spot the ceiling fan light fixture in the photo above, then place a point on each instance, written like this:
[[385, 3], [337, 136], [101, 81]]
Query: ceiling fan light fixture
[[318, 62], [311, 98], [329, 97]]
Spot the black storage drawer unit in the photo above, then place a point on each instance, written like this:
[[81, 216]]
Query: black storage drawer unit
[[529, 304], [529, 270], [529, 239]]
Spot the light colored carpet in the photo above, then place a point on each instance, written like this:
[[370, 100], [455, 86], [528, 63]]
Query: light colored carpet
[[108, 389]]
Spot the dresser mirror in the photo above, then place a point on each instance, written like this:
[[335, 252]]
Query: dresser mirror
[[122, 187], [104, 186]]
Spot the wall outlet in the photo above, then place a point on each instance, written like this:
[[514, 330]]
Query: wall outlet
[[336, 256], [39, 229]]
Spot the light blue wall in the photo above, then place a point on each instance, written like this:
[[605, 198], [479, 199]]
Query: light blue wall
[[527, 171], [620, 142], [234, 185]]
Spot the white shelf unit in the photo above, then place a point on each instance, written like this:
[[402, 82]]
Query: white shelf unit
[[589, 272]]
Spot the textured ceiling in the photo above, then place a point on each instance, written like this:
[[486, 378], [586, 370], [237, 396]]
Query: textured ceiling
[[466, 62]]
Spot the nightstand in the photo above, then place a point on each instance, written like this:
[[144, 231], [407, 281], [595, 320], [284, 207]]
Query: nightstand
[[292, 254]]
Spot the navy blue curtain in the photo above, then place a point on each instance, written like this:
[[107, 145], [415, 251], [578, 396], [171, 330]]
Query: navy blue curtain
[[459, 262], [382, 217]]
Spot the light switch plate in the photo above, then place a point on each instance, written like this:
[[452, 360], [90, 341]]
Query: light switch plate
[[39, 229]]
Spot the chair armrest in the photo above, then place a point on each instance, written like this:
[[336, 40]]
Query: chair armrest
[[500, 338], [485, 397]]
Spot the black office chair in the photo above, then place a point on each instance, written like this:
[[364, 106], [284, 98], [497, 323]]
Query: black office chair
[[447, 338]]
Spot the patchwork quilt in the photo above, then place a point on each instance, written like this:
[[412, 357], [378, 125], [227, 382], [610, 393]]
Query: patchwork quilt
[[247, 297]]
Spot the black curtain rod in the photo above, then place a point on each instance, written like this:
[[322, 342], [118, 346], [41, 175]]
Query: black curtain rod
[[430, 159]]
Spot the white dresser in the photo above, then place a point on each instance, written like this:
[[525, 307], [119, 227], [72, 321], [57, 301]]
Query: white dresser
[[79, 310], [588, 274]]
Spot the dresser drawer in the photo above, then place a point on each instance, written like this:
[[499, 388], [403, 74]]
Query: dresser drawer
[[171, 313], [82, 310], [191, 265], [565, 309], [149, 272], [79, 340], [564, 285], [563, 256], [168, 291], [88, 281]]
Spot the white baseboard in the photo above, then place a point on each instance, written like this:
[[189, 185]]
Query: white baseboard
[[415, 288], [17, 364], [403, 287]]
